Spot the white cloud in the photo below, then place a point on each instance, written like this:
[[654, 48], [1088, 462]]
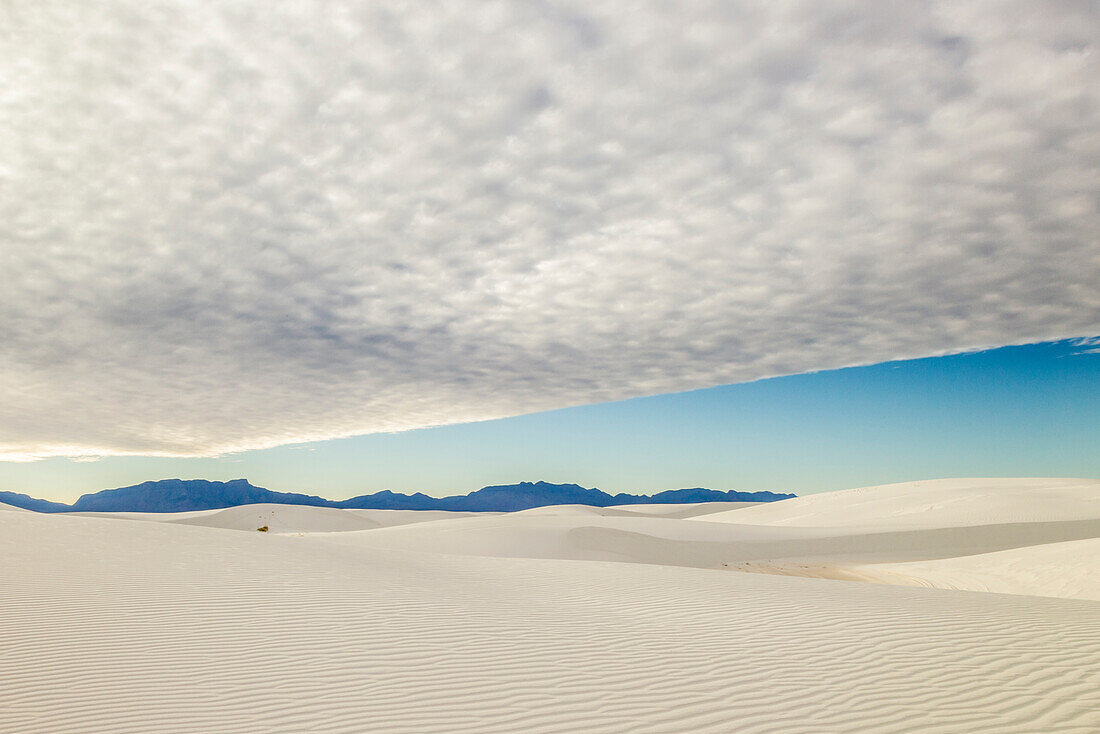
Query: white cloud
[[237, 224]]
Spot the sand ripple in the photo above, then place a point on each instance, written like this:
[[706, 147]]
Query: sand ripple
[[115, 626]]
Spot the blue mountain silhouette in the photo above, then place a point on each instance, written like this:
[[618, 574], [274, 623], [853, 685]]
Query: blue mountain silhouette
[[181, 495], [30, 503]]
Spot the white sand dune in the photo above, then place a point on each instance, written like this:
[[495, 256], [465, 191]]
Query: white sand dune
[[581, 533], [282, 519], [390, 518], [517, 622], [684, 510], [934, 503], [1070, 569], [614, 534], [288, 518]]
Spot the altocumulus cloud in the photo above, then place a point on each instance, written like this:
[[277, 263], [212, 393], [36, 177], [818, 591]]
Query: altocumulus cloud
[[231, 224]]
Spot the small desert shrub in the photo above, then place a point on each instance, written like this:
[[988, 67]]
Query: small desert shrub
[[262, 529]]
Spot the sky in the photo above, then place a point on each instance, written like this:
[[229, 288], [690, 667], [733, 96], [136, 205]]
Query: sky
[[228, 226], [1016, 411]]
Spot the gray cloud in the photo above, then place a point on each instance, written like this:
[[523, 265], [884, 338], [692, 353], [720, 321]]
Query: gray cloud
[[233, 224]]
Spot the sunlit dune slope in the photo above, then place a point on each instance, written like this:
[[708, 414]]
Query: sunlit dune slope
[[932, 504]]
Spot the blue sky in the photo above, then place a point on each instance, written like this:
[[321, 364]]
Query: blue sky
[[1015, 411]]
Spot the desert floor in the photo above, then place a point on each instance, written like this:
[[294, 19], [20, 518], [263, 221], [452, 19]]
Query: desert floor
[[967, 605]]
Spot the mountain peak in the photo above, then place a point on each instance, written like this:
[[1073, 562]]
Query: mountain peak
[[181, 495]]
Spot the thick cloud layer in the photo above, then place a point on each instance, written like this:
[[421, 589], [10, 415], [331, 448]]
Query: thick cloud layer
[[237, 224]]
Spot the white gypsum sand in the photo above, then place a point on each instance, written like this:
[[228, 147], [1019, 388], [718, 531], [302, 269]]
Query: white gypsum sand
[[932, 503], [517, 622], [1070, 569]]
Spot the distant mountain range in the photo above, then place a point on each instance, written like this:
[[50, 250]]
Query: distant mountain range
[[180, 495], [30, 503]]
